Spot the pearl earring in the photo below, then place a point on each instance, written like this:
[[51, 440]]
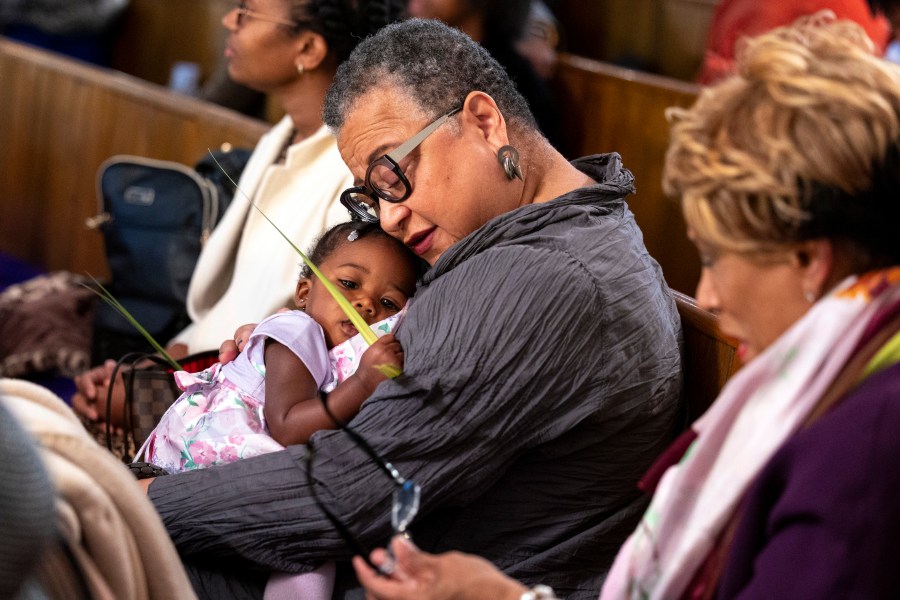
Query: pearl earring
[[300, 69]]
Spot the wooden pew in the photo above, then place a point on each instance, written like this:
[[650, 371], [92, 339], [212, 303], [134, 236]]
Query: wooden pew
[[59, 120], [710, 358], [666, 36], [607, 108]]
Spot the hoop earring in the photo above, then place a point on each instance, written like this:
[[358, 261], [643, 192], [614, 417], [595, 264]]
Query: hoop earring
[[508, 157]]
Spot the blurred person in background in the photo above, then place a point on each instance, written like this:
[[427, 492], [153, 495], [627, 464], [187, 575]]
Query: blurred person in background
[[502, 27], [82, 29], [736, 19]]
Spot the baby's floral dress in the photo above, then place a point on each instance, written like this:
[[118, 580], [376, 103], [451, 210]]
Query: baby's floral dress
[[220, 418]]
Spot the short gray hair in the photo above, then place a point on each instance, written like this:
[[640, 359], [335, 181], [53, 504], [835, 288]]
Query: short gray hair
[[436, 64]]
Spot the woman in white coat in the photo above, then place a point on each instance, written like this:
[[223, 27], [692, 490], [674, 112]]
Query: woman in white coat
[[289, 50]]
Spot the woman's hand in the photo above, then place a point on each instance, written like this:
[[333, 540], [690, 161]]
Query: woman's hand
[[91, 386], [229, 349], [418, 575]]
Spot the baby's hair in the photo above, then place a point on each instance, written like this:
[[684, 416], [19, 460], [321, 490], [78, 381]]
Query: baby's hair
[[349, 232]]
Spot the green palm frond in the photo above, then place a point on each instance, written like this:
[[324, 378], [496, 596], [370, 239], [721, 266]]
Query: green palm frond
[[107, 297], [361, 326]]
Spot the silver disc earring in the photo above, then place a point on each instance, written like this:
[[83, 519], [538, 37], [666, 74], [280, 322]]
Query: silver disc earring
[[509, 160]]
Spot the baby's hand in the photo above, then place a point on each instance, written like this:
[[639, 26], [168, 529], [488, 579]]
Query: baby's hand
[[229, 349], [385, 351]]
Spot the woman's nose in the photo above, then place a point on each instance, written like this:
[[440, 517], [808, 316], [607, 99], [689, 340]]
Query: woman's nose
[[229, 20], [707, 298], [391, 215]]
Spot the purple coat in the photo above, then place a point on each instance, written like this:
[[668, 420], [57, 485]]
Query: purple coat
[[822, 520]]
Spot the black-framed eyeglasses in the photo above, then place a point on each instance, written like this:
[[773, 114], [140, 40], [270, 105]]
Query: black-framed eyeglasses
[[385, 179], [405, 498], [243, 12]]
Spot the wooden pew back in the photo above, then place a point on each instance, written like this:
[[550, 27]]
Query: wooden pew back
[[607, 108], [59, 120], [710, 358]]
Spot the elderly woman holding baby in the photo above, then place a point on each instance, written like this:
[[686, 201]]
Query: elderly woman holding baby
[[786, 488], [542, 367]]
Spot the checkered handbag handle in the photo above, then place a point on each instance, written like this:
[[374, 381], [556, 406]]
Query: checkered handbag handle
[[152, 391], [149, 391]]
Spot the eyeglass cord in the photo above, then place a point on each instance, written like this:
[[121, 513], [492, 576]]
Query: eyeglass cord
[[385, 466]]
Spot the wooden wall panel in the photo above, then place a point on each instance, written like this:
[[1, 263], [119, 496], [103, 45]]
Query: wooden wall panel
[[666, 37], [59, 120], [155, 34], [682, 28]]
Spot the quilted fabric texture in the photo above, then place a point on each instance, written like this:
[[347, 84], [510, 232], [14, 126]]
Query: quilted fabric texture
[[45, 325]]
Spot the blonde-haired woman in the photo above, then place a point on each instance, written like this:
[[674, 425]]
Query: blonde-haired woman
[[788, 176], [787, 487]]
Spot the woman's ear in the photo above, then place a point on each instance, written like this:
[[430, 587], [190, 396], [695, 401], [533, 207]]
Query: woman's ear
[[312, 50], [815, 259], [480, 110], [301, 292]]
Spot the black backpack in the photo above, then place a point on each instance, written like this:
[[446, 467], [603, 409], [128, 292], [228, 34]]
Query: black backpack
[[155, 216]]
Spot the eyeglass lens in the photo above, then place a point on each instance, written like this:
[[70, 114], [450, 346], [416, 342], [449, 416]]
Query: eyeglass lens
[[406, 505], [404, 501], [386, 182], [243, 12]]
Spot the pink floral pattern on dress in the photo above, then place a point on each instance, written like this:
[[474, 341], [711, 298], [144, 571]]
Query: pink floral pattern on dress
[[214, 422], [228, 454], [211, 423], [201, 453], [345, 357]]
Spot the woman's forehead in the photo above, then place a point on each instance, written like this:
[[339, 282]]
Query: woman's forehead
[[383, 103], [274, 6], [377, 122]]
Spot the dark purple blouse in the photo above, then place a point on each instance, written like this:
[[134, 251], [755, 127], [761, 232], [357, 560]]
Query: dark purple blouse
[[822, 520]]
